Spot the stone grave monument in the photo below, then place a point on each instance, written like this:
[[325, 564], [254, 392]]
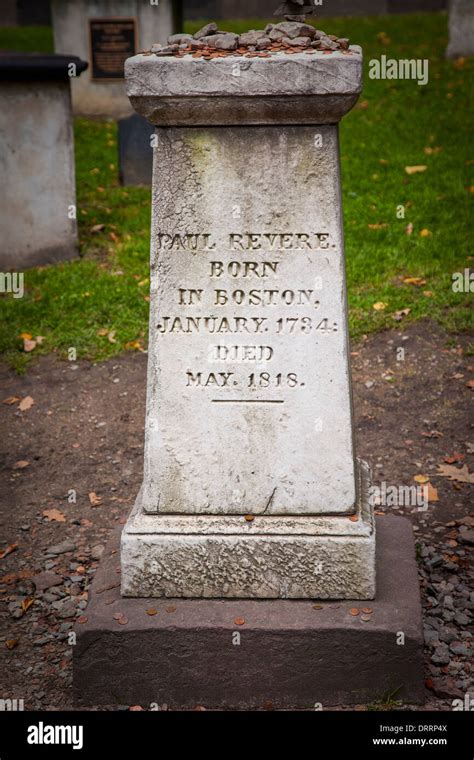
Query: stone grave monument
[[38, 216], [135, 135], [105, 33], [253, 502], [461, 29]]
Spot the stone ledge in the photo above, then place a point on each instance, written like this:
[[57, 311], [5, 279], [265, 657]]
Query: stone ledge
[[290, 654], [282, 89]]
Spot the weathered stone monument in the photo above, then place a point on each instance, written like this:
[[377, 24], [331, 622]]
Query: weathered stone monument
[[461, 29], [105, 33], [253, 502], [250, 413], [38, 208]]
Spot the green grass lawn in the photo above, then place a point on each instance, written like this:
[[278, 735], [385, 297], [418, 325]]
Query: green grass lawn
[[99, 304]]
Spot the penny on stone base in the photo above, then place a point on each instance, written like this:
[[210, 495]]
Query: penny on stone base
[[245, 654]]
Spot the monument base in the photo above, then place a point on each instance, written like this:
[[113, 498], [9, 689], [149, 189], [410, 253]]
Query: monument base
[[264, 557], [246, 655]]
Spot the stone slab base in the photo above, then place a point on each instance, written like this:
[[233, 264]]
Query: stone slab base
[[290, 654], [268, 557]]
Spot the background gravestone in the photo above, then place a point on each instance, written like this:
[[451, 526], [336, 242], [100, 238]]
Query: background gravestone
[[37, 212], [461, 28], [105, 33], [135, 151]]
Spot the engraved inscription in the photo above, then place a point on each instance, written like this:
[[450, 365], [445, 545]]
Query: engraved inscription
[[227, 300]]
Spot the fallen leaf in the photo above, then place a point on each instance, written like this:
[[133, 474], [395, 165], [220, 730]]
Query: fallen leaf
[[82, 619], [26, 335], [97, 228], [102, 332], [354, 518], [470, 448], [151, 611], [10, 400], [94, 500], [428, 293], [421, 478], [20, 465], [454, 458], [430, 493], [133, 345], [432, 151], [398, 315], [378, 226], [54, 515], [415, 169], [239, 621], [111, 337], [317, 606], [10, 548], [26, 403], [470, 384], [28, 345], [383, 38], [379, 306], [11, 643], [461, 475], [425, 233], [432, 434], [409, 229], [26, 604], [414, 281]]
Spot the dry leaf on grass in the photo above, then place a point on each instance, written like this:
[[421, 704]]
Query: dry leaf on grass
[[414, 281], [379, 306], [415, 169], [398, 315]]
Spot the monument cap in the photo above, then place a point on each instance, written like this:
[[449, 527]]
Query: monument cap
[[36, 67], [302, 88]]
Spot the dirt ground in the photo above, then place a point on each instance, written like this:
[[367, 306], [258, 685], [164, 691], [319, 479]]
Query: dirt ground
[[84, 435]]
